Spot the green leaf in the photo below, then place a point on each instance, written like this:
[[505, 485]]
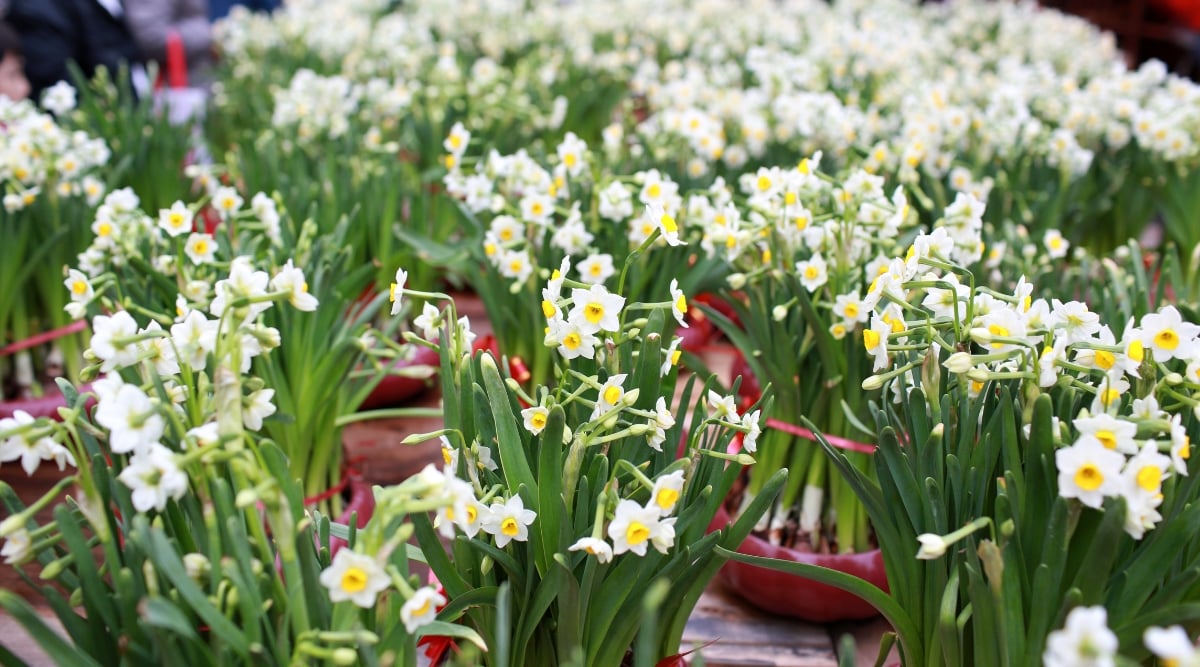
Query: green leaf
[[550, 504], [508, 438], [160, 613], [444, 629], [57, 648]]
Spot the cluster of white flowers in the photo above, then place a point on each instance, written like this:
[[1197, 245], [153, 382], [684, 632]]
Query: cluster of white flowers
[[1050, 343], [1086, 639], [38, 155]]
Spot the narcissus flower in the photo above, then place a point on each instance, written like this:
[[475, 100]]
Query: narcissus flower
[[154, 477], [595, 547], [535, 418], [666, 492], [633, 527], [355, 577], [175, 221], [1169, 336], [79, 286], [396, 293], [132, 419], [291, 280], [1172, 646], [679, 305], [421, 608], [201, 248], [1088, 471], [30, 451], [509, 521], [1084, 640], [596, 309]]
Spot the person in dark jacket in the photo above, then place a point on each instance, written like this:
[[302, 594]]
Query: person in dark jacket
[[13, 84], [220, 8], [90, 33]]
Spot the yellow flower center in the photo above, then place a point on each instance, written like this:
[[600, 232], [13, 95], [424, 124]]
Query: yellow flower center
[[636, 533], [455, 141], [675, 356], [104, 229], [509, 527], [1136, 351], [801, 223], [789, 198], [1105, 359], [811, 272], [870, 339], [449, 161], [392, 292], [506, 234], [175, 219], [730, 241], [766, 255], [1167, 339], [489, 249], [548, 309], [1089, 477], [668, 224], [516, 265], [79, 287], [976, 386], [537, 208], [612, 395], [681, 304], [572, 341], [354, 579], [838, 330], [852, 310], [538, 420], [447, 458], [593, 312], [654, 191], [666, 498], [1107, 438], [424, 608], [720, 220], [472, 514], [1185, 452], [1150, 478], [228, 203], [200, 247], [1056, 243], [803, 166], [595, 269], [570, 160], [764, 183], [1109, 397]]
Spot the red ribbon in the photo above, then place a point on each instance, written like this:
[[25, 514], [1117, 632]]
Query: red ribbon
[[34, 341], [348, 471], [840, 443]]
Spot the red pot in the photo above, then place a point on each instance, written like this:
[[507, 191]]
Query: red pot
[[790, 595], [394, 390], [46, 406]]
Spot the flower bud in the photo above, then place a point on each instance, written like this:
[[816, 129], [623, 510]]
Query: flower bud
[[958, 363], [736, 280], [937, 430], [978, 375], [872, 383], [779, 313], [345, 656], [1173, 378], [932, 546], [197, 565], [486, 360], [981, 335], [245, 498], [631, 396], [12, 524]]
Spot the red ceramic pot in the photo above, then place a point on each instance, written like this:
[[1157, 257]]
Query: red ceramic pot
[[394, 390], [46, 406], [790, 595]]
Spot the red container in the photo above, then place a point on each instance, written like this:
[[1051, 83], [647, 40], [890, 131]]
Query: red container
[[394, 390], [797, 597]]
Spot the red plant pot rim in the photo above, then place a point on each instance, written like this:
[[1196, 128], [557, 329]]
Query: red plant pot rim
[[394, 390], [46, 406], [790, 595]]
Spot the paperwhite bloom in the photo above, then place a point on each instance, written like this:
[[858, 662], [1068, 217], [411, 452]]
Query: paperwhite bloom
[[18, 547], [107, 343], [256, 407], [595, 269], [59, 98], [572, 340], [1172, 646], [509, 521], [154, 478], [1169, 336], [1085, 641], [30, 451], [595, 547], [666, 492], [428, 321], [596, 309], [79, 286], [175, 221], [535, 418], [421, 608], [932, 546], [227, 201], [1055, 244], [610, 395], [355, 577], [396, 293], [291, 280], [133, 420], [679, 304], [813, 272], [633, 527], [201, 248], [1088, 471]]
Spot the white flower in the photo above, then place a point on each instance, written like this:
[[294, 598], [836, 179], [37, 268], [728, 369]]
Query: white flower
[[421, 608], [132, 419], [932, 546], [396, 292], [849, 307], [750, 440], [679, 305], [596, 547], [672, 355], [1074, 318], [160, 352], [666, 492], [812, 272], [633, 527], [355, 577], [610, 395], [1169, 336], [875, 340], [1055, 244], [722, 408], [572, 341], [200, 248], [596, 309], [194, 338], [107, 343], [537, 209], [175, 221], [291, 280], [1088, 471], [205, 435], [227, 201], [662, 421], [1181, 446], [658, 216], [18, 548], [456, 142], [154, 478], [79, 286], [31, 452], [1172, 646], [256, 407], [428, 321], [509, 521], [59, 98], [1113, 433], [535, 418], [1085, 641], [595, 269]]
